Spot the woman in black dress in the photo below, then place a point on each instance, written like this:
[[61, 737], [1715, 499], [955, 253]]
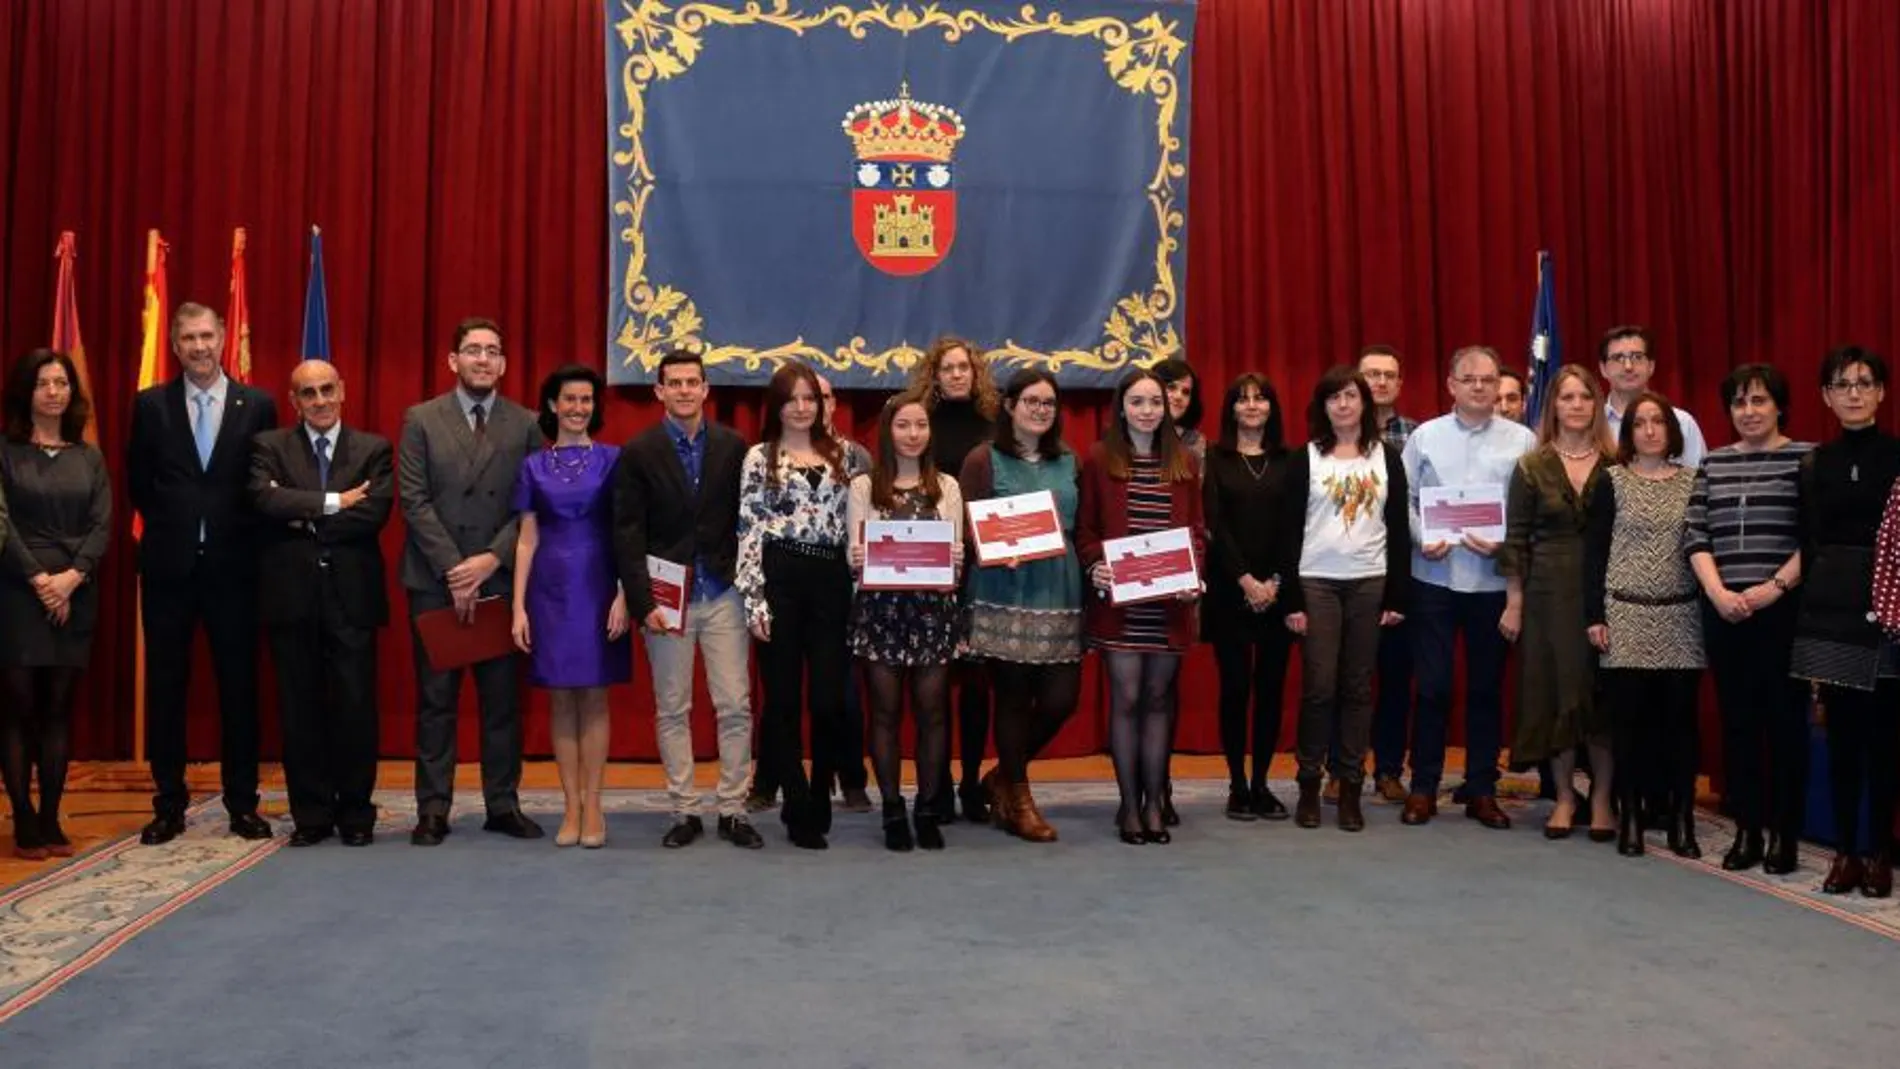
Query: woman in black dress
[[57, 526], [1241, 616]]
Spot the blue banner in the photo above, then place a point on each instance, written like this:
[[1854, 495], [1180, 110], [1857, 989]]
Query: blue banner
[[1547, 349], [842, 183]]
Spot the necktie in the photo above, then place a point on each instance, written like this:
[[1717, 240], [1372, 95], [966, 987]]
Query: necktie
[[481, 421], [201, 433], [323, 463]]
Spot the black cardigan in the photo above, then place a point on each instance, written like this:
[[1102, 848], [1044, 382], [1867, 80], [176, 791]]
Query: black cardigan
[[1398, 530]]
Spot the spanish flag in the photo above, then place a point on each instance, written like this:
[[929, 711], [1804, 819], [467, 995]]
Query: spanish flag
[[237, 317], [154, 322], [66, 323]]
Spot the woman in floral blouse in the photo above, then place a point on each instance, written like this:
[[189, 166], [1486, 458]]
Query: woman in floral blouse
[[797, 588]]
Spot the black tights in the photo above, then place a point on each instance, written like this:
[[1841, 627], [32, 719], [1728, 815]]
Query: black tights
[[1033, 701], [1863, 748], [1140, 722], [929, 694], [36, 728]]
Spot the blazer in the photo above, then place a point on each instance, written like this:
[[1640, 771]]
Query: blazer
[[656, 512], [1398, 530], [177, 496], [1103, 515], [301, 546], [457, 492]]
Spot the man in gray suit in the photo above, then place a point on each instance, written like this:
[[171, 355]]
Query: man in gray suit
[[456, 475]]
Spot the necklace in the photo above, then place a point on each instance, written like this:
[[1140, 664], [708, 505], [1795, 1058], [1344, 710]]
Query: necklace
[[1257, 473], [569, 462], [1582, 454]]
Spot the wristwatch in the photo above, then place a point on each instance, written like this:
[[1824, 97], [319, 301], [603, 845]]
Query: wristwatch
[[1780, 584]]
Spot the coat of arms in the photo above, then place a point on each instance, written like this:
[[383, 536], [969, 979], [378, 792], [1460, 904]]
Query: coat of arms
[[903, 197]]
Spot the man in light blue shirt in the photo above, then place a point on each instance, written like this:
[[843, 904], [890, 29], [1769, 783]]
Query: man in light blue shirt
[[1625, 359], [1456, 588]]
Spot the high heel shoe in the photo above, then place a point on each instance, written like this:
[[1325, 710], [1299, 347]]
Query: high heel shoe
[[897, 837], [1745, 852], [1129, 828], [1154, 826], [1629, 832], [1784, 855], [593, 840], [569, 833], [1877, 878], [54, 837], [1844, 875]]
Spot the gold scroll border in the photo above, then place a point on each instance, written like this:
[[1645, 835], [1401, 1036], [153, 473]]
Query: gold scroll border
[[662, 42]]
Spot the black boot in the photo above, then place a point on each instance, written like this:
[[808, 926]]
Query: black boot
[[1682, 840], [1745, 852], [1783, 856], [1629, 829], [897, 827], [929, 837]]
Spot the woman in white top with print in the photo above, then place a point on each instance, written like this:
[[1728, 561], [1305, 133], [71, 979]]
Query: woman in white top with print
[[1345, 566]]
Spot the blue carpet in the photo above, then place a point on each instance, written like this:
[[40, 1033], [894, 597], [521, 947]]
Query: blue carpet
[[1240, 944]]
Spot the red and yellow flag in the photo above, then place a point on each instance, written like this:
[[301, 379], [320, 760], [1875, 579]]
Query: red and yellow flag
[[66, 323], [237, 317], [154, 322]]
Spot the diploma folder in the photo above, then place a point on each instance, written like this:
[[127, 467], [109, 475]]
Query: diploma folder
[[452, 644]]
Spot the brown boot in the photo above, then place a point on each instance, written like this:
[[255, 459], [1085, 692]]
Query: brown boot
[[1351, 817], [1306, 810], [1877, 878], [1025, 820]]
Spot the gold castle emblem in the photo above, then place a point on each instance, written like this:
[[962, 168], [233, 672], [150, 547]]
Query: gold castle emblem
[[903, 228]]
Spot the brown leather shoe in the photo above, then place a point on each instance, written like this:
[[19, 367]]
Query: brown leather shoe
[[1306, 810], [1391, 791], [1025, 820], [1331, 794], [1351, 817], [1419, 809], [1877, 881], [1843, 876], [1486, 812]]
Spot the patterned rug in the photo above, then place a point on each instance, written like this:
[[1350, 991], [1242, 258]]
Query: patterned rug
[[57, 925]]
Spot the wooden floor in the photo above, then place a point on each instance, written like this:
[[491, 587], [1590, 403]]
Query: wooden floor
[[107, 800]]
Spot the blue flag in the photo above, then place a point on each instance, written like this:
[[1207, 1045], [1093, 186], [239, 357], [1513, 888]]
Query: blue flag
[[842, 183], [1547, 351], [316, 306]]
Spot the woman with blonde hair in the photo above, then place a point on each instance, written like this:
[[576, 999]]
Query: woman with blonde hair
[[1547, 513]]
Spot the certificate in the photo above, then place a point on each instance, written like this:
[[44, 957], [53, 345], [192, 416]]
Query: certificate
[[909, 555], [1145, 567], [1448, 513], [1021, 527], [672, 587]]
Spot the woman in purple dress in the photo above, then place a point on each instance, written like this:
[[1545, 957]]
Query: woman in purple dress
[[570, 613]]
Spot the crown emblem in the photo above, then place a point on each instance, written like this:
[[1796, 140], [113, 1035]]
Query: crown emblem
[[903, 129]]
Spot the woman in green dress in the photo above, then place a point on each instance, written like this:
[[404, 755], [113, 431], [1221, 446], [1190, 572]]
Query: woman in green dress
[[1546, 515]]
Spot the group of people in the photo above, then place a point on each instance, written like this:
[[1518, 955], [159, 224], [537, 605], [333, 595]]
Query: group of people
[[1630, 558]]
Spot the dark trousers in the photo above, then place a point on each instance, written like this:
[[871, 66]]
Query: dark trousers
[[1392, 715], [1863, 750], [1252, 670], [1764, 718], [1439, 616], [225, 603], [1337, 656], [846, 765], [1654, 736], [326, 684], [438, 695], [809, 599]]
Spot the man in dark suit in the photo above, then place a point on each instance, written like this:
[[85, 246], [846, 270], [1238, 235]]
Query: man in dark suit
[[326, 492], [188, 461], [461, 453], [676, 497]]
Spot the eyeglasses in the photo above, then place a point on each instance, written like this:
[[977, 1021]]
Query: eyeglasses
[[1852, 385], [1380, 376], [1478, 380], [1627, 359], [473, 351], [1036, 404]]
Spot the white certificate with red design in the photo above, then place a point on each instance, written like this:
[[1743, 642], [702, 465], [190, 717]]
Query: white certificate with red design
[[672, 587], [1146, 567], [1021, 527], [909, 555], [1448, 513]]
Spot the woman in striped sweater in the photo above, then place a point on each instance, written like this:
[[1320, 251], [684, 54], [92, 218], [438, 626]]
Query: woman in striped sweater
[[1743, 542]]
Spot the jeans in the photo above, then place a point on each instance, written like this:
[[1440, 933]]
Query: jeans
[[1438, 616]]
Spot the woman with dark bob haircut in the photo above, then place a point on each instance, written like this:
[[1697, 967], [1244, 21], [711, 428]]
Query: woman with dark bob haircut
[[570, 613], [1752, 487], [55, 531]]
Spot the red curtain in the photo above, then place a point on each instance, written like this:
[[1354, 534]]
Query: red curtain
[[1362, 171]]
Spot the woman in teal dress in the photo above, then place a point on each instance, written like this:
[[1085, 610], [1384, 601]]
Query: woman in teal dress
[[1026, 617]]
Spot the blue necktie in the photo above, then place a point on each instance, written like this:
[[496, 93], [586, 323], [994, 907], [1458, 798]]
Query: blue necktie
[[202, 433], [323, 463]]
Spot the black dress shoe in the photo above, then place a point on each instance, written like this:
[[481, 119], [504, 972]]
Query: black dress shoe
[[1239, 805], [514, 824], [1169, 818], [684, 832], [309, 834], [356, 836], [1745, 852], [163, 829], [1783, 857], [739, 832], [431, 829], [808, 838], [249, 826], [1267, 806]]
